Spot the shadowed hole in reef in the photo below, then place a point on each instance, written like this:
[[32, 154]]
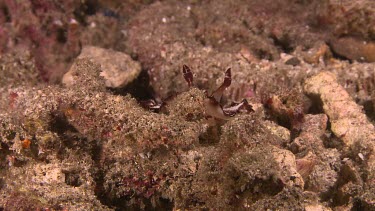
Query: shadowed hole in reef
[[284, 43], [260, 189], [211, 136], [5, 11], [162, 205], [9, 134], [335, 196], [316, 105], [368, 106], [99, 189], [72, 178], [140, 88], [60, 125], [70, 137], [2, 183], [358, 204], [89, 7], [4, 152], [61, 36], [99, 177]]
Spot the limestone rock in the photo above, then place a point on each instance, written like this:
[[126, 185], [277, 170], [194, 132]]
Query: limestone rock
[[118, 69], [287, 163], [348, 120]]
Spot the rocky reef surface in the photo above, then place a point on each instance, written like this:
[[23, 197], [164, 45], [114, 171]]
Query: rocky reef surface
[[113, 105]]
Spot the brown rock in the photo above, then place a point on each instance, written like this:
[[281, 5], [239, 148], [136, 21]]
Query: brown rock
[[349, 123], [354, 49], [318, 52]]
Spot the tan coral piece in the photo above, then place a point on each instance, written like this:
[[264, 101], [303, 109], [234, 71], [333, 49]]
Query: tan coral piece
[[348, 120], [287, 162], [118, 69]]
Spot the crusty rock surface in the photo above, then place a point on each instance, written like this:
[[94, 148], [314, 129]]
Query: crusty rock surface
[[348, 120], [118, 69], [353, 49]]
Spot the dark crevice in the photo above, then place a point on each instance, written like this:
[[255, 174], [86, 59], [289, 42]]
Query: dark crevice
[[72, 178], [87, 8], [90, 7], [359, 205], [4, 152], [70, 137], [317, 105], [99, 176], [211, 136], [369, 109], [61, 35], [100, 191], [11, 135], [335, 195], [122, 203], [200, 40], [333, 141], [5, 11], [60, 125], [284, 43], [263, 54], [140, 88], [260, 189]]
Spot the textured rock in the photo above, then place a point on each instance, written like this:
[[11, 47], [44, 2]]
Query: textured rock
[[118, 69], [317, 207], [354, 49], [348, 120], [349, 124], [49, 186], [277, 130], [18, 68], [288, 170]]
